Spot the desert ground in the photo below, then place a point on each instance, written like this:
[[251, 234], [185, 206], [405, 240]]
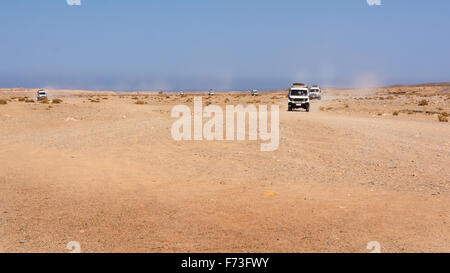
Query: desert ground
[[101, 169]]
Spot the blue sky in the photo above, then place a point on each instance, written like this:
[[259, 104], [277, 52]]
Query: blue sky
[[228, 45]]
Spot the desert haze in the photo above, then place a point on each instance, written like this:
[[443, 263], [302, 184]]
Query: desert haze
[[101, 169]]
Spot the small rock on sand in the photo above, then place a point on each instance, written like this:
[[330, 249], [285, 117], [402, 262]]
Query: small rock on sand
[[268, 193]]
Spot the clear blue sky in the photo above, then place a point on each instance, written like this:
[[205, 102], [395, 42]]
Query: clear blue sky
[[232, 44]]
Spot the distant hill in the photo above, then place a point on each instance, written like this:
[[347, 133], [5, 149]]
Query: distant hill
[[420, 85]]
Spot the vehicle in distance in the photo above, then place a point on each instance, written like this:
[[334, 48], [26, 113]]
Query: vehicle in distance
[[315, 92], [41, 94], [211, 92], [298, 97], [254, 92]]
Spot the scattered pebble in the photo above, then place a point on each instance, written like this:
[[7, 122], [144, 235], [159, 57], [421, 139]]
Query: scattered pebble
[[268, 193]]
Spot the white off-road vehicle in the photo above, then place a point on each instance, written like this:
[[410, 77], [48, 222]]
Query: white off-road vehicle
[[41, 94], [181, 93], [315, 92], [211, 92], [298, 97], [254, 92]]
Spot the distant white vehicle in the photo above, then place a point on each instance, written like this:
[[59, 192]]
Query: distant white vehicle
[[211, 92], [315, 92], [254, 92], [41, 94], [298, 97], [181, 93]]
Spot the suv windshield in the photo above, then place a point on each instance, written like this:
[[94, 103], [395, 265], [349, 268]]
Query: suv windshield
[[299, 92], [314, 90]]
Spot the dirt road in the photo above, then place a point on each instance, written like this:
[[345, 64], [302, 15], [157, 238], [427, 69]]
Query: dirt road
[[109, 176]]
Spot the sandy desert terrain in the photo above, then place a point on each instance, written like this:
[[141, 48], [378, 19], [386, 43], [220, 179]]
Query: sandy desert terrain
[[99, 169]]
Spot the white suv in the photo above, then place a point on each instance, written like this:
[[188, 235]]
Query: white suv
[[41, 94], [298, 97], [315, 92]]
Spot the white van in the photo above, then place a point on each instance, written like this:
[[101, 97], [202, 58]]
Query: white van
[[298, 97], [41, 94]]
